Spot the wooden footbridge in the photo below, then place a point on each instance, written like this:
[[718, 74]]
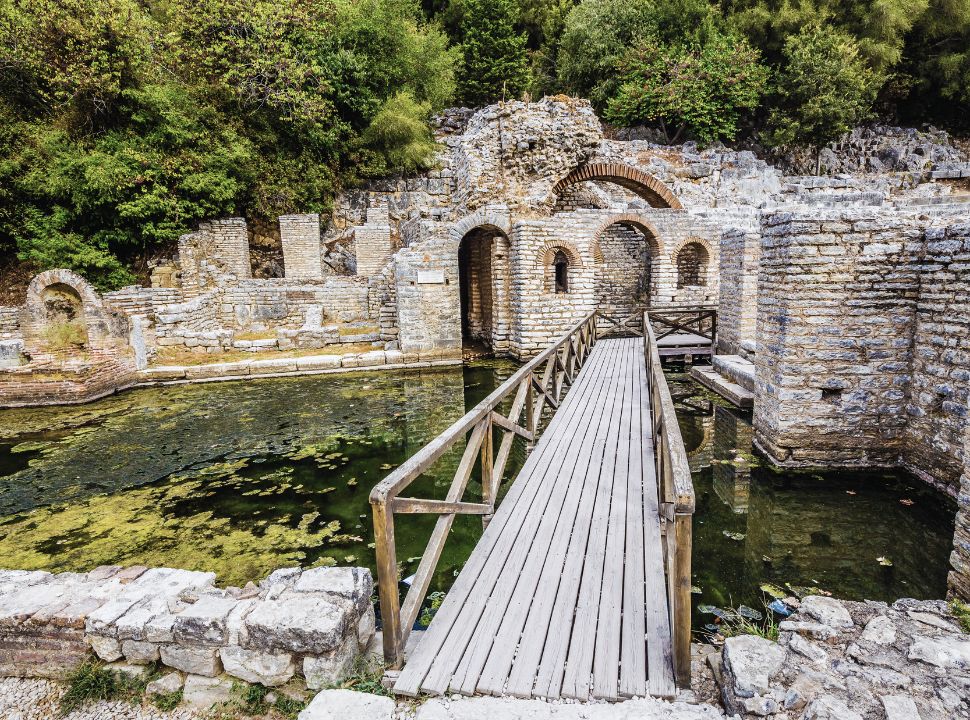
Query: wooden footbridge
[[580, 584]]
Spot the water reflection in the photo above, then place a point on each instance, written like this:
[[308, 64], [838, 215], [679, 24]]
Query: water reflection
[[858, 534]]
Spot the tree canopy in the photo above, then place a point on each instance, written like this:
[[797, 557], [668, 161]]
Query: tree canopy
[[123, 123]]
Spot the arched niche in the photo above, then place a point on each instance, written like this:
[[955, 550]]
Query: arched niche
[[654, 192]]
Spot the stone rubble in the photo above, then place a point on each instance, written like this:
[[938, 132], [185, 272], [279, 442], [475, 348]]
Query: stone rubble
[[842, 660]]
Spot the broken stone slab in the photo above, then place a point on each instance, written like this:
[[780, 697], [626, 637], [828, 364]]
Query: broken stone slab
[[933, 621], [944, 652], [829, 707], [297, 623], [827, 611], [204, 692], [204, 621], [254, 666], [348, 705], [196, 661], [807, 649], [750, 662], [900, 707], [165, 685], [350, 583], [816, 630], [880, 630], [127, 669]]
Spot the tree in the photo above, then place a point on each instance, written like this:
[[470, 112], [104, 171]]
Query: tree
[[495, 61], [824, 88], [599, 33], [701, 87], [400, 134]]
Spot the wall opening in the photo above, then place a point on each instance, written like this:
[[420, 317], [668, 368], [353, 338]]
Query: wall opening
[[482, 270], [561, 272], [626, 278], [692, 264], [64, 326]]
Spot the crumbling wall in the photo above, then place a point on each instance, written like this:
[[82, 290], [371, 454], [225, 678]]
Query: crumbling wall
[[9, 322]]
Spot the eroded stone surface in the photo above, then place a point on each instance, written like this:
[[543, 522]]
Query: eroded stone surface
[[348, 705]]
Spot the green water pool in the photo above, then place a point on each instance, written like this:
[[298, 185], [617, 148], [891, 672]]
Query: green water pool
[[243, 477]]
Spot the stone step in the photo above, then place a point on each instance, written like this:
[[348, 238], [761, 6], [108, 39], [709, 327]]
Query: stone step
[[736, 369], [732, 392]]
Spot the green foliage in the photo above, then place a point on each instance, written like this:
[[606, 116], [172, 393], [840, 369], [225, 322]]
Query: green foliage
[[126, 123], [88, 683], [701, 87], [599, 33], [495, 64], [399, 132], [961, 611], [365, 677], [824, 89], [167, 701], [435, 600]]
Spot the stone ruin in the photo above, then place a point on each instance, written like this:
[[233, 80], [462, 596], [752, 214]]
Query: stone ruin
[[842, 299]]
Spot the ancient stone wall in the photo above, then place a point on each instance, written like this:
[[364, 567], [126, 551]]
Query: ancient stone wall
[[216, 254], [737, 311], [305, 623], [959, 577], [372, 240], [9, 322], [861, 342], [300, 237]]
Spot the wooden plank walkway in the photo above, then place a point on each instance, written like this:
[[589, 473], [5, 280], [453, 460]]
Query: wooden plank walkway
[[564, 595]]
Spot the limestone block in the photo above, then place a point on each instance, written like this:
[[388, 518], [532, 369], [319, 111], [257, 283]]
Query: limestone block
[[323, 671], [139, 653], [829, 707], [198, 372], [827, 611], [298, 623], [318, 362], [348, 705], [349, 583], [198, 661], [204, 622], [375, 357], [204, 692], [750, 662], [165, 685], [943, 652], [254, 666], [108, 649], [900, 707], [265, 367], [879, 630], [165, 372], [366, 627]]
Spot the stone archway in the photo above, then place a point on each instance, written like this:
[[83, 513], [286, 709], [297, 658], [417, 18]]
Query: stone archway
[[483, 288], [626, 249], [63, 312], [633, 179]]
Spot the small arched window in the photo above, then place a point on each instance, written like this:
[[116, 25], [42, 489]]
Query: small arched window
[[560, 264], [692, 265]]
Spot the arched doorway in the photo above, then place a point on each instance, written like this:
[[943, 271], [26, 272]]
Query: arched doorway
[[626, 278], [483, 278]]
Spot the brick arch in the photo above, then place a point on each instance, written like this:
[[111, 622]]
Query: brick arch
[[693, 239], [627, 176], [85, 291], [649, 231], [548, 251], [706, 271], [484, 217]]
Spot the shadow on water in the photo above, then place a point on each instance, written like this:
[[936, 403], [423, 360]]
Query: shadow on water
[[237, 478], [857, 534]]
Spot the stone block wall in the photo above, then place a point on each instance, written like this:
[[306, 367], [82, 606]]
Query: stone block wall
[[959, 577], [372, 240], [300, 237], [216, 254], [296, 623], [862, 342], [836, 305], [737, 310], [939, 405], [9, 322]]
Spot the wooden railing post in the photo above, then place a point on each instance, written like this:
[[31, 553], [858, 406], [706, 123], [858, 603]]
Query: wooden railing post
[[489, 486], [683, 532], [387, 581]]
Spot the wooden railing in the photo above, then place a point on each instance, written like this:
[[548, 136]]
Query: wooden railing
[[535, 385], [696, 321], [676, 490]]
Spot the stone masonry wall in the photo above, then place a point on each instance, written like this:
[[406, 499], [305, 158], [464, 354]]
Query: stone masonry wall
[[300, 237], [940, 394], [9, 322], [737, 311], [862, 341], [306, 623], [836, 306], [958, 580]]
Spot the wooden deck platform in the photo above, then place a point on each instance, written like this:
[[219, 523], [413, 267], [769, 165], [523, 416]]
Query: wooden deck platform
[[565, 594]]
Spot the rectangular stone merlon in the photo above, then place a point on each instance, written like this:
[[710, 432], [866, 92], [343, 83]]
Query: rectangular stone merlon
[[372, 240], [230, 245], [300, 235]]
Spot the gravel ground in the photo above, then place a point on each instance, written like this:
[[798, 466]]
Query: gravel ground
[[28, 699]]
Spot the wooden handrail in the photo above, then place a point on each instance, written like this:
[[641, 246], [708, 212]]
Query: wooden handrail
[[538, 383], [677, 502]]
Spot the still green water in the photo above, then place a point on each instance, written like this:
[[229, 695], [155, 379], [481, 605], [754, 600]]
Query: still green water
[[241, 478], [877, 535]]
